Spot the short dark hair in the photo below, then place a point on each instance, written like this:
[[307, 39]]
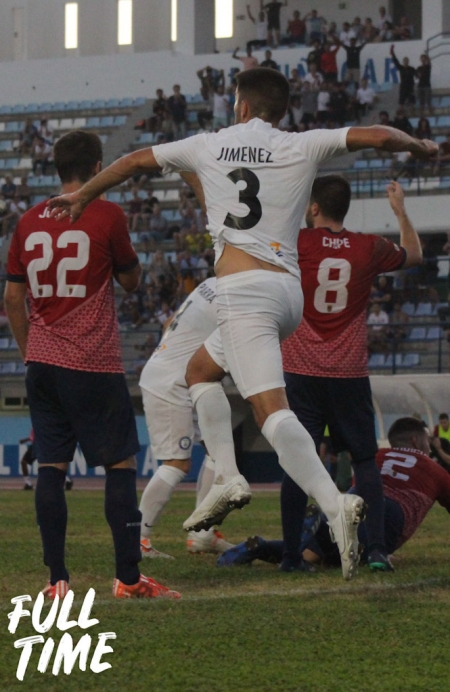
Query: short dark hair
[[76, 155], [401, 431], [333, 194], [266, 91], [443, 415]]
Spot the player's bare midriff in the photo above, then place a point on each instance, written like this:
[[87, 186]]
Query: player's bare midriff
[[234, 261]]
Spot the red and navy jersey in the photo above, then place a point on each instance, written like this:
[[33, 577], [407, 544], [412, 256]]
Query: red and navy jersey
[[415, 482], [68, 269], [337, 274]]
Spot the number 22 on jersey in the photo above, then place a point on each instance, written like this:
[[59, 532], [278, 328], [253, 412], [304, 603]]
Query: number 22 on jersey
[[40, 264], [333, 276]]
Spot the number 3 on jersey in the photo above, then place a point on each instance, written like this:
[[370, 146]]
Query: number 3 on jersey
[[331, 294], [40, 264]]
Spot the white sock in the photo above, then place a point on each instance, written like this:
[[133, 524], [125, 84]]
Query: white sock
[[214, 420], [156, 496], [205, 479], [298, 457]]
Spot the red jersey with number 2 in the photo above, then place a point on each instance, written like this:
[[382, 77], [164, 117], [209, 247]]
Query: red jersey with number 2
[[415, 482], [337, 273], [68, 269]]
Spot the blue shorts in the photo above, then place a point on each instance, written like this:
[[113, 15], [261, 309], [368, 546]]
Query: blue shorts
[[72, 406], [344, 404]]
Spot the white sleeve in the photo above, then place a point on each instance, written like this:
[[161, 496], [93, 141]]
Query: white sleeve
[[320, 145], [179, 156]]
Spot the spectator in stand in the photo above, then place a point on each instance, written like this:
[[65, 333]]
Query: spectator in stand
[[442, 431], [339, 104], [159, 109], [398, 330], [323, 101], [220, 108], [369, 33], [231, 93], [315, 27], [46, 131], [353, 51], [377, 332], [424, 93], [177, 107], [381, 293], [405, 31], [158, 224], [332, 35], [384, 17], [260, 28], [386, 33], [314, 77], [158, 265], [295, 83], [357, 28], [297, 110], [346, 34], [268, 62], [287, 123], [135, 211], [296, 30], [248, 61], [309, 102], [384, 119], [407, 75], [443, 159], [402, 123], [188, 213], [41, 155], [9, 189], [27, 137], [210, 81], [164, 313], [24, 190], [17, 209], [365, 99], [328, 63], [315, 55], [273, 10], [423, 129]]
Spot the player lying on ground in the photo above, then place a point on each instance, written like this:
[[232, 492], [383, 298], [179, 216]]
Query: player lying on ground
[[325, 359], [412, 483], [169, 415], [256, 182], [75, 380]]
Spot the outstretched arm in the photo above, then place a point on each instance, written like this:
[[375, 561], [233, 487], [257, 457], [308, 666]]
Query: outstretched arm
[[409, 240], [249, 14], [74, 203], [389, 139]]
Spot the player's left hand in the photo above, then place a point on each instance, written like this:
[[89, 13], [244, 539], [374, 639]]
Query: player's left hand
[[396, 197], [64, 206]]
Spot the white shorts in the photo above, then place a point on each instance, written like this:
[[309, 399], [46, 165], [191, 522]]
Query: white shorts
[[256, 310], [172, 429]]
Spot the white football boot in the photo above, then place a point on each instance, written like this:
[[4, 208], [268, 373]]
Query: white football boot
[[210, 541], [220, 501], [147, 550], [344, 532]]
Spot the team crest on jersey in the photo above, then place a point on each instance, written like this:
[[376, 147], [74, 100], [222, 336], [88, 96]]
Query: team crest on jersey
[[185, 443], [276, 249]]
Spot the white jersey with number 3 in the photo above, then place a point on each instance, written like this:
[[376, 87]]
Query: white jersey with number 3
[[257, 183], [164, 373]]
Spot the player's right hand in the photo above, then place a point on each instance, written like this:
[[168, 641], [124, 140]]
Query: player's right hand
[[428, 150], [66, 206], [396, 197]]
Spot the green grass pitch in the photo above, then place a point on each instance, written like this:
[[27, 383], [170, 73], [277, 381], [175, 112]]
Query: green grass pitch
[[236, 629]]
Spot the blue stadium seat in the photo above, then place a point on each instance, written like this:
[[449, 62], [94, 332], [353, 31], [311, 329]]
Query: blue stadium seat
[[11, 163], [433, 334], [409, 309], [113, 103], [134, 237], [93, 122], [376, 163], [2, 164], [58, 106], [411, 360], [32, 108], [85, 105], [126, 103], [361, 163], [192, 116], [4, 343], [424, 310], [390, 359], [13, 126], [432, 120], [120, 120], [445, 102], [6, 145], [443, 121], [417, 334], [33, 181], [114, 197], [414, 122], [139, 101], [107, 121], [47, 181], [18, 108], [5, 110], [99, 103], [37, 199], [21, 368], [146, 138], [377, 360], [436, 102], [45, 107]]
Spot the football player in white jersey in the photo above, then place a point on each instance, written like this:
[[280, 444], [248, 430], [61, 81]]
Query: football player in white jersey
[[169, 416], [256, 182]]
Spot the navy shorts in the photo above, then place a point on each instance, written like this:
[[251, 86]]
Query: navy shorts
[[344, 404], [72, 406]]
